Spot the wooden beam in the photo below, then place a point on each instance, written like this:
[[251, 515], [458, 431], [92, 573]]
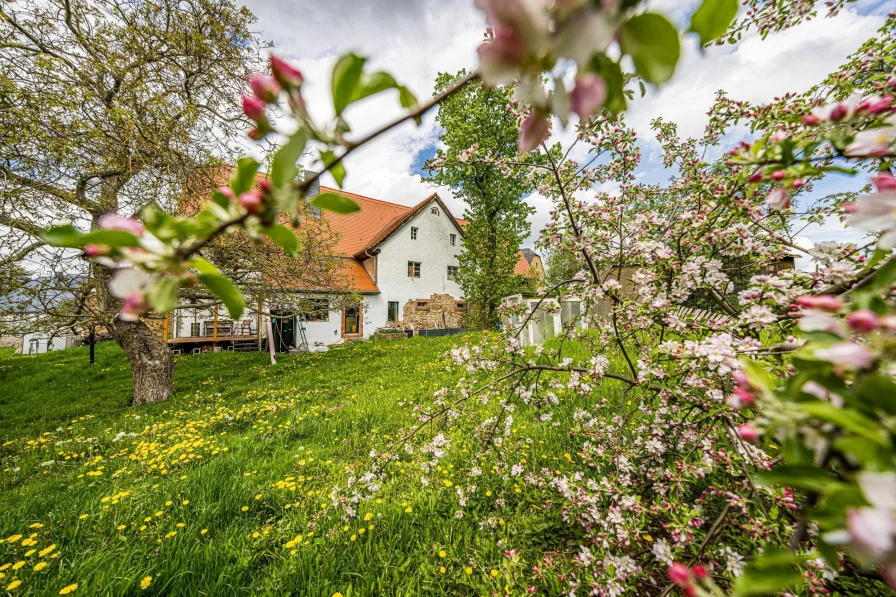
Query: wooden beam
[[215, 327], [165, 333]]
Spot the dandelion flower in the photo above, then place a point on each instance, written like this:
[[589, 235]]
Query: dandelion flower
[[368, 516], [353, 537], [13, 584], [408, 509], [68, 589], [244, 508], [442, 569], [494, 572], [468, 570], [144, 584], [40, 566], [442, 553], [82, 517], [337, 594], [18, 564]]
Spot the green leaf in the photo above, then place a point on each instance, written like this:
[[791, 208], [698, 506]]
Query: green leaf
[[771, 571], [333, 202], [847, 419], [861, 449], [284, 237], [284, 167], [163, 294], [226, 291], [203, 265], [879, 391], [713, 18], [70, 237], [652, 42], [338, 171], [346, 76], [611, 73], [407, 98], [800, 476], [244, 177], [885, 277]]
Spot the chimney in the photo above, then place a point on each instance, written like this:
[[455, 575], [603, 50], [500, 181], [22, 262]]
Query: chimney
[[314, 189]]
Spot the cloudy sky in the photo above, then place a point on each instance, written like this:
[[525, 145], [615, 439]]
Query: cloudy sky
[[416, 39]]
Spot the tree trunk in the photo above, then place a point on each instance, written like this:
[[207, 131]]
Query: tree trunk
[[152, 363]]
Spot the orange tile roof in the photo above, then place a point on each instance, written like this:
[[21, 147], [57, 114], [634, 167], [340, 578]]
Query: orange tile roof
[[358, 228], [359, 278]]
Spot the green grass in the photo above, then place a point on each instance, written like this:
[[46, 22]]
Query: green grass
[[208, 492]]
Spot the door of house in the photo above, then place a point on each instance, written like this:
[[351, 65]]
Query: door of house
[[351, 321], [284, 327]]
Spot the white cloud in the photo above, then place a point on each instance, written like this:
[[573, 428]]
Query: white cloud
[[416, 39]]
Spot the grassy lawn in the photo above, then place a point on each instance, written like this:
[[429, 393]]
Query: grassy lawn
[[225, 489]]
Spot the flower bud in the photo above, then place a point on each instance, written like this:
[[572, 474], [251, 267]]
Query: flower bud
[[95, 250], [811, 119], [863, 321], [679, 574], [252, 202], [265, 88], [227, 192], [839, 112], [533, 131], [254, 108], [116, 222], [778, 199], [287, 75], [825, 302], [700, 572], [747, 433]]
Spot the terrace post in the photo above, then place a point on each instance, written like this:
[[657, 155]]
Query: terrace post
[[215, 328]]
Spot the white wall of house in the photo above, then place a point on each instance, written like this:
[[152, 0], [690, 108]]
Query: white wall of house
[[40, 342], [432, 249]]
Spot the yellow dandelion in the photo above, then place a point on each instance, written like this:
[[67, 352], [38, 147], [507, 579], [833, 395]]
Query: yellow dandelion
[[442, 569], [337, 594], [468, 570], [13, 584], [494, 572], [488, 493], [13, 538], [18, 564], [82, 517], [46, 550], [442, 553], [168, 503], [180, 525], [68, 589], [36, 525], [368, 516], [144, 584], [345, 528], [353, 537], [244, 508], [185, 502], [121, 527], [40, 566], [203, 531], [408, 509]]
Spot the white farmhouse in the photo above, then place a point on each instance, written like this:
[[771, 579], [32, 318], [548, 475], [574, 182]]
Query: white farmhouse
[[399, 258]]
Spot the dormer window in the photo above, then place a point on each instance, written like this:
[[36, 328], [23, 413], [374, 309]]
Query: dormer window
[[413, 233], [434, 211]]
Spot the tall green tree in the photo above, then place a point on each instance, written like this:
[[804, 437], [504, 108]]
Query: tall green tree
[[107, 106], [481, 118]]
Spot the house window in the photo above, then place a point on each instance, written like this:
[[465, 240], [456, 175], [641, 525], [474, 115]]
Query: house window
[[453, 240], [413, 233], [452, 271], [413, 269], [351, 321], [461, 305], [393, 311], [434, 211], [315, 310], [422, 305], [194, 328]]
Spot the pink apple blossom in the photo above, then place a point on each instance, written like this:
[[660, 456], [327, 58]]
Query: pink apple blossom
[[251, 201], [588, 95], [533, 131], [825, 302], [500, 56], [116, 222], [884, 181], [95, 250], [778, 199], [133, 306], [876, 213], [846, 354]]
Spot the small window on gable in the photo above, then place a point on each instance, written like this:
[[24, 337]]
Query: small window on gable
[[434, 211], [413, 233], [413, 269], [422, 305], [453, 240]]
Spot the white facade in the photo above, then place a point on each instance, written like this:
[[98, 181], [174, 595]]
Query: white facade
[[41, 342]]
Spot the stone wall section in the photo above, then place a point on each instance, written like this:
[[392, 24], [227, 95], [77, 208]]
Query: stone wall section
[[441, 311]]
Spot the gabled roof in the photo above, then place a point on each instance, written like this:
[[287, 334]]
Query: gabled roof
[[523, 265], [400, 220], [358, 228]]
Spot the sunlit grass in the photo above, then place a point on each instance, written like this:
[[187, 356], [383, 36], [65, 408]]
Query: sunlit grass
[[225, 489]]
